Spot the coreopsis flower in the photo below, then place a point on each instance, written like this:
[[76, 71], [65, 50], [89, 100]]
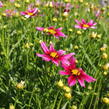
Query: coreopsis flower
[[85, 25], [9, 12], [52, 55], [1, 4], [75, 74], [30, 12], [11, 1], [52, 31]]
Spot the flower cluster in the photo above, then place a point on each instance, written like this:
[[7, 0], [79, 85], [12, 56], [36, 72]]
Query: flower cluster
[[68, 62]]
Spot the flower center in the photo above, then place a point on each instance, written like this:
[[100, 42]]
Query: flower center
[[54, 54], [29, 13], [51, 31], [75, 72], [85, 25]]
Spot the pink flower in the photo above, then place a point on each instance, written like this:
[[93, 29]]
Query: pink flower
[[12, 1], [30, 12], [52, 31], [84, 25], [1, 4], [52, 55], [10, 12], [75, 74]]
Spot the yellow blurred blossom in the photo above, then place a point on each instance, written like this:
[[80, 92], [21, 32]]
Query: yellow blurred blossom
[[104, 56], [68, 95], [105, 100], [67, 89], [11, 106], [21, 85], [60, 83]]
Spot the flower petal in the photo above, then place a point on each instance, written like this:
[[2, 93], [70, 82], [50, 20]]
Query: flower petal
[[86, 77], [61, 52], [81, 81], [39, 28], [44, 47], [77, 21], [44, 56], [52, 47], [71, 81], [78, 26], [63, 73], [55, 62], [67, 56]]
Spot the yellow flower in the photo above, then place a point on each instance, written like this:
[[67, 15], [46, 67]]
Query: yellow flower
[[81, 1], [55, 19], [93, 35], [70, 29], [79, 32], [106, 66], [3, 14], [27, 1], [74, 107], [68, 95], [104, 47], [65, 14], [99, 36], [21, 85], [17, 5], [67, 89], [67, 0], [105, 100], [89, 87], [104, 56], [105, 73], [60, 83], [76, 47], [11, 106]]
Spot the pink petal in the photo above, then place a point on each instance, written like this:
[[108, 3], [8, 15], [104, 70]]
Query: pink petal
[[55, 62], [72, 60], [27, 16], [71, 81], [39, 28], [65, 66], [44, 56], [52, 47], [68, 55], [60, 34], [78, 26], [93, 27], [77, 22], [81, 81], [44, 47], [83, 21], [91, 22], [59, 29], [61, 52], [63, 73], [86, 77], [23, 13]]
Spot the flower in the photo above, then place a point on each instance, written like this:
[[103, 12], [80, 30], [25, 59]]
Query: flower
[[52, 31], [1, 4], [68, 95], [75, 73], [9, 12], [84, 25], [30, 12], [52, 55], [21, 85]]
